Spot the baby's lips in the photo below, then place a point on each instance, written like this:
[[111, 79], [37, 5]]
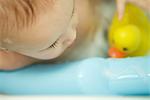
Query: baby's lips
[[116, 53]]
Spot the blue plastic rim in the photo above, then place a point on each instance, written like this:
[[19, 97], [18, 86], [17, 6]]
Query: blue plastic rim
[[94, 76]]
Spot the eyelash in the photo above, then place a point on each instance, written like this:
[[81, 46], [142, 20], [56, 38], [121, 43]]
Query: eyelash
[[54, 44]]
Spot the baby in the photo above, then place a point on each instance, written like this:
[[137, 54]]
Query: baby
[[39, 31]]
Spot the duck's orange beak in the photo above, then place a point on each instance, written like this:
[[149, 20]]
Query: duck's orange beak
[[116, 53]]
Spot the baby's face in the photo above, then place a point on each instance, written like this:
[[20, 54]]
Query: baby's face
[[50, 36]]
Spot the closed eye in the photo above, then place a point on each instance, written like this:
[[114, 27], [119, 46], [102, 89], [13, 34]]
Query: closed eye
[[54, 44]]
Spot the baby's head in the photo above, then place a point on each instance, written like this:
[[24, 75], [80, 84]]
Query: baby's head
[[42, 29]]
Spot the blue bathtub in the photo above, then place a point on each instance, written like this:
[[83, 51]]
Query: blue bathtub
[[94, 76]]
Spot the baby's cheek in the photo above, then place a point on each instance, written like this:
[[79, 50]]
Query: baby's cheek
[[69, 38], [70, 35], [65, 41]]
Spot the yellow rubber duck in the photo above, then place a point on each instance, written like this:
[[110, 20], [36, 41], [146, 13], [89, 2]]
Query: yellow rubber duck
[[131, 35]]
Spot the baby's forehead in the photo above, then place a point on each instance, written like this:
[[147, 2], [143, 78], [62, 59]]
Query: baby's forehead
[[17, 15], [20, 19]]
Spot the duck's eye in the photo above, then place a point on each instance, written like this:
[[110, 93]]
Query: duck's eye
[[125, 49]]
